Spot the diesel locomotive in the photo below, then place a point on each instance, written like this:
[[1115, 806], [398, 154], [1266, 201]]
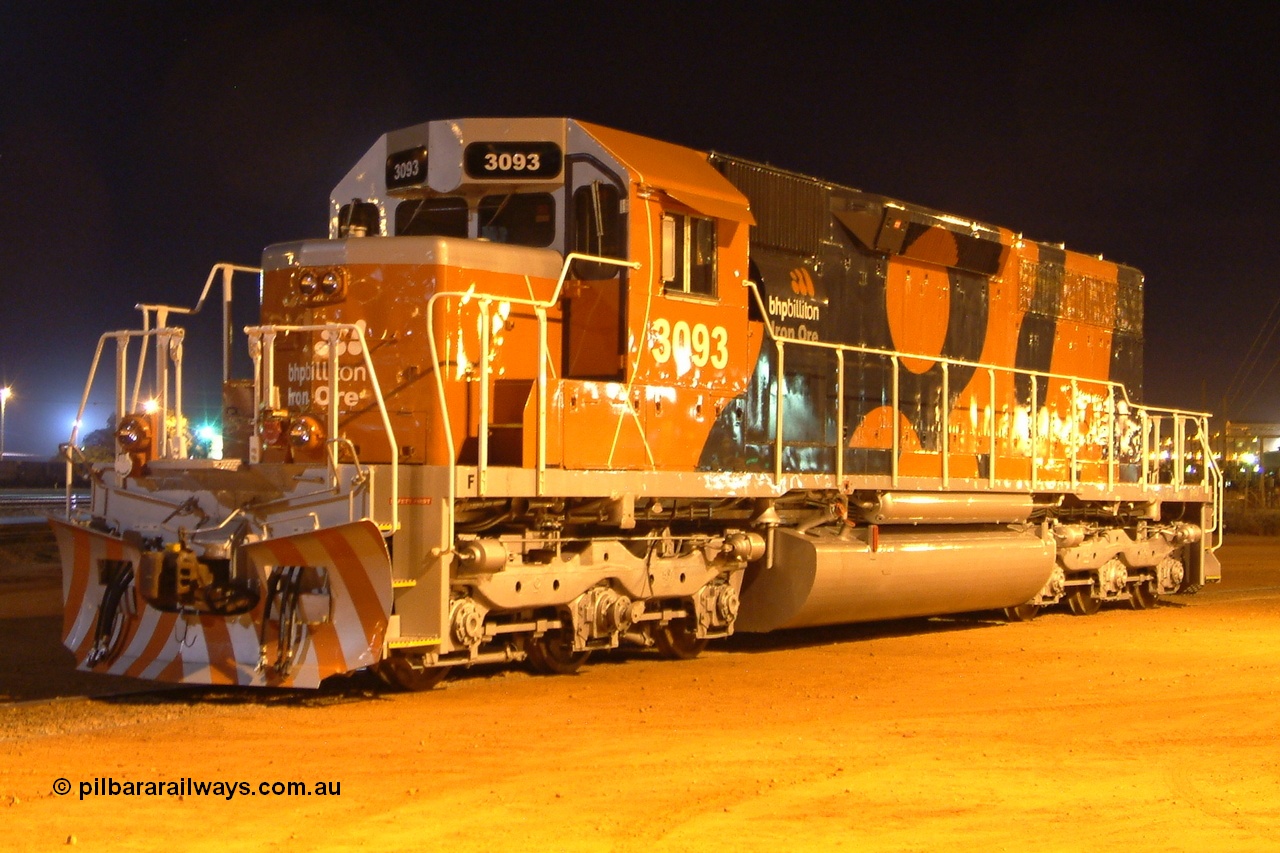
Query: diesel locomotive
[[549, 388]]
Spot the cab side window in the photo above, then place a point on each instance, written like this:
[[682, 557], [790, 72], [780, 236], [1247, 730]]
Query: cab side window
[[689, 254], [597, 229]]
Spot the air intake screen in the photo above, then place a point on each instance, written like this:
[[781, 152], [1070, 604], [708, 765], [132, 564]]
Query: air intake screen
[[792, 212]]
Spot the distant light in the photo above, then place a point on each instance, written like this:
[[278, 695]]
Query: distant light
[[151, 406], [5, 393], [206, 433]]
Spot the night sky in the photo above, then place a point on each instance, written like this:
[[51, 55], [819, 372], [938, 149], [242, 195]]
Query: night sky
[[140, 143]]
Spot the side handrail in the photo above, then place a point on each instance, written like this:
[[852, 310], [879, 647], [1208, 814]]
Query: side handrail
[[539, 307], [1218, 527], [1117, 394]]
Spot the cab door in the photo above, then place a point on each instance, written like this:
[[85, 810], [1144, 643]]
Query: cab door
[[594, 299]]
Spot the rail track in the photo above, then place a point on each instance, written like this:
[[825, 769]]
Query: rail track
[[23, 512], [26, 502]]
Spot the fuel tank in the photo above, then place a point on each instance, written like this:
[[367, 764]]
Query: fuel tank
[[827, 577]]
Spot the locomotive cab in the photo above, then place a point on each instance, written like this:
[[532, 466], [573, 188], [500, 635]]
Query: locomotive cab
[[474, 212]]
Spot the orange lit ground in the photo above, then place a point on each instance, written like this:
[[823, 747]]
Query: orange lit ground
[[1122, 731]]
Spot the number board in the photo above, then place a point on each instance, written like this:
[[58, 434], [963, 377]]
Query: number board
[[407, 168], [528, 160]]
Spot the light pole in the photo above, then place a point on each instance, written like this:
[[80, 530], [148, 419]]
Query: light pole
[[5, 393]]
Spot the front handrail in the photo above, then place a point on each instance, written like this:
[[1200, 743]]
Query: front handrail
[[163, 310], [171, 337], [262, 340]]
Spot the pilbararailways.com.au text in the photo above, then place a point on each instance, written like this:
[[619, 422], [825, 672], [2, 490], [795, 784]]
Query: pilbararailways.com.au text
[[107, 786]]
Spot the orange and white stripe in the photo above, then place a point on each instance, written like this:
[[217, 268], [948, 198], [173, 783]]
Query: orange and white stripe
[[209, 649]]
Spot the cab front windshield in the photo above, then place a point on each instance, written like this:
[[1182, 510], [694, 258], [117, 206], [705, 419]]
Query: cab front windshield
[[522, 219]]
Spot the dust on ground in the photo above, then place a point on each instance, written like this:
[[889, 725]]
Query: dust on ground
[[1121, 731]]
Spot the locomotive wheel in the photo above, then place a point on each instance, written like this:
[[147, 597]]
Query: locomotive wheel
[[399, 671], [1021, 613], [553, 654], [1081, 602], [677, 641], [1143, 595]]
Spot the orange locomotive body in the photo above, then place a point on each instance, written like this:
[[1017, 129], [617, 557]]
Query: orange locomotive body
[[549, 388]]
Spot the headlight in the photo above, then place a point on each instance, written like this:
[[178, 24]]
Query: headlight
[[134, 434], [321, 284], [305, 433]]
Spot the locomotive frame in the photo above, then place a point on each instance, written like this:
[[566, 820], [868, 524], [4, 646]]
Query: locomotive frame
[[670, 395]]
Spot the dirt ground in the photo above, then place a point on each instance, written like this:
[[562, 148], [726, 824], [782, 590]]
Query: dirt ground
[[1122, 731]]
